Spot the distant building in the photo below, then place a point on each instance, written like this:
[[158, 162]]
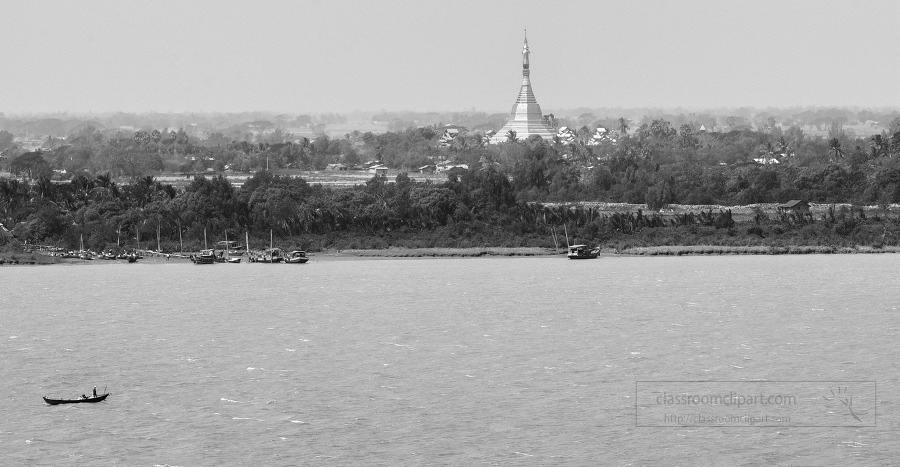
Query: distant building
[[337, 167], [601, 135], [31, 144], [448, 166], [766, 160], [450, 133], [794, 206], [427, 169], [566, 135], [378, 170]]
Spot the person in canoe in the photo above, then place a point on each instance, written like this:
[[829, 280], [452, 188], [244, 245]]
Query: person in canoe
[[95, 391], [84, 397]]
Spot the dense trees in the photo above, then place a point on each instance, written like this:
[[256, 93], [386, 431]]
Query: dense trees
[[104, 188]]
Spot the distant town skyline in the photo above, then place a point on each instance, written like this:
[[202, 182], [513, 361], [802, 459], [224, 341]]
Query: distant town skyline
[[346, 56]]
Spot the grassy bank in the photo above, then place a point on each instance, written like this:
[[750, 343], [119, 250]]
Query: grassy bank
[[443, 252], [12, 259], [682, 250]]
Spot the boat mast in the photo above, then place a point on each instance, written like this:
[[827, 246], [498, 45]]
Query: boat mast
[[158, 249], [247, 243], [567, 236], [204, 238], [226, 243], [180, 241]]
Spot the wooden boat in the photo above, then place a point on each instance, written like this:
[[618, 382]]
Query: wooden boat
[[227, 259], [76, 401], [582, 252], [271, 255], [205, 257], [296, 257], [227, 246]]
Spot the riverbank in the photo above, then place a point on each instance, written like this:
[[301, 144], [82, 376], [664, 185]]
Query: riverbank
[[682, 250], [37, 258], [440, 252]]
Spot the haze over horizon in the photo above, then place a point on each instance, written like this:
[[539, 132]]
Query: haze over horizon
[[345, 56]]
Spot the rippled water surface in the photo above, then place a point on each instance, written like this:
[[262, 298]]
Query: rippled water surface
[[437, 361]]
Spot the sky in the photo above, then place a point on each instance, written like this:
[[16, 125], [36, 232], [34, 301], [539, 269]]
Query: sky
[[395, 55]]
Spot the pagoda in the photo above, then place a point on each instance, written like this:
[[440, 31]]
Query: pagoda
[[525, 118]]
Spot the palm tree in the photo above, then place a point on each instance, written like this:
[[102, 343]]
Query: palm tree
[[835, 145], [623, 126], [584, 134], [880, 146], [511, 136]]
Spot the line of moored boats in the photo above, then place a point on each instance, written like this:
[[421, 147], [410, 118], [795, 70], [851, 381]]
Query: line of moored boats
[[88, 255], [271, 255]]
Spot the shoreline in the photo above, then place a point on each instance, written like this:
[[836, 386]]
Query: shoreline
[[38, 259]]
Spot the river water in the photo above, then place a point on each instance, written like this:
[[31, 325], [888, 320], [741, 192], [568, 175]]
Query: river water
[[502, 361]]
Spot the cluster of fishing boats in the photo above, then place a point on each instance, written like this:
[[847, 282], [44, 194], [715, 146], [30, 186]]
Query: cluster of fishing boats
[[232, 253], [271, 255], [89, 255]]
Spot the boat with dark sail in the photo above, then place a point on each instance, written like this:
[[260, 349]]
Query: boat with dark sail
[[83, 399]]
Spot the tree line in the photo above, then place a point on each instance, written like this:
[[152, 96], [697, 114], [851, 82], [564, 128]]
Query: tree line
[[109, 194]]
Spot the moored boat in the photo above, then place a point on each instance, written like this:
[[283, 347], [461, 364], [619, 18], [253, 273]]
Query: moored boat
[[271, 255], [579, 251], [76, 401], [205, 257], [296, 257], [582, 252]]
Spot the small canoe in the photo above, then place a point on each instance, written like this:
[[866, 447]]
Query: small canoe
[[75, 401]]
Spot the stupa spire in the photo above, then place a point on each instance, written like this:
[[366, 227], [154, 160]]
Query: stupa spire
[[526, 118], [525, 53]]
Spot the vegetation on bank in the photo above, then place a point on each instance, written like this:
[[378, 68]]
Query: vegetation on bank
[[513, 195]]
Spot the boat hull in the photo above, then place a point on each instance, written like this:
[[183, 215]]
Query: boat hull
[[296, 257], [582, 252], [205, 257], [89, 400]]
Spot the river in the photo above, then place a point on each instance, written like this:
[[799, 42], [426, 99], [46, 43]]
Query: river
[[494, 361]]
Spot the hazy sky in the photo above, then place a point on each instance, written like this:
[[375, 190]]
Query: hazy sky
[[372, 55]]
